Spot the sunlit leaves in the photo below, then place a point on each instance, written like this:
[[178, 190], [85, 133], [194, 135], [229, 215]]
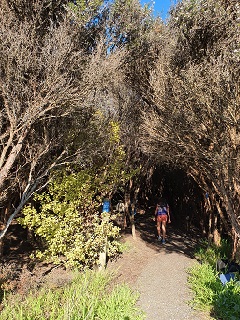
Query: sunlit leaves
[[68, 215]]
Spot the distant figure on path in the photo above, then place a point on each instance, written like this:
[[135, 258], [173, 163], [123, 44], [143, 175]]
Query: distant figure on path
[[162, 216]]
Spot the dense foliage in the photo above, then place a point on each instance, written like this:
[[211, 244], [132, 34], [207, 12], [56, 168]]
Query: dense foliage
[[88, 296], [90, 91], [193, 119], [55, 77], [172, 88], [69, 222], [68, 217], [209, 292]]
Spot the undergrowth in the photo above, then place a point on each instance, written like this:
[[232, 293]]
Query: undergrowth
[[205, 285], [208, 292], [87, 297], [209, 254]]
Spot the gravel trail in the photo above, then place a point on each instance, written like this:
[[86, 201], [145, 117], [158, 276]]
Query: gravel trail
[[163, 287], [159, 273]]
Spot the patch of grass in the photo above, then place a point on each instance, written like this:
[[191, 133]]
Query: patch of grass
[[88, 297]]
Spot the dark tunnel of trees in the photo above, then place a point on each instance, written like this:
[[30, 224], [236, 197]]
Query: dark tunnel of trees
[[189, 205]]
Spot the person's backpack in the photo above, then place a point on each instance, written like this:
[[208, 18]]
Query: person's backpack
[[161, 209]]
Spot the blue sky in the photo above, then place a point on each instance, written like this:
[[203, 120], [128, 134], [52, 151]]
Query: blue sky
[[161, 7]]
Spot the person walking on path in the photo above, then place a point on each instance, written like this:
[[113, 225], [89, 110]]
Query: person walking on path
[[162, 216]]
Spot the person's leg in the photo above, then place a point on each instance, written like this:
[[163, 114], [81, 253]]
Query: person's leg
[[164, 224], [159, 227]]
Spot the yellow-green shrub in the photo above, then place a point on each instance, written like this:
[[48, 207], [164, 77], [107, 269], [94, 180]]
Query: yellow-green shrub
[[66, 217]]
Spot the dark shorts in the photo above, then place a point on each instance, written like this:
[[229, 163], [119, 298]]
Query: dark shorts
[[161, 218]]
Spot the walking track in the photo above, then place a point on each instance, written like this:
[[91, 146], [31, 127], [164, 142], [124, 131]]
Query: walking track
[[159, 273]]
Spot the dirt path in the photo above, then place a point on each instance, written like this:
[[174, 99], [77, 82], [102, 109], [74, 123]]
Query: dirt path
[[158, 272]]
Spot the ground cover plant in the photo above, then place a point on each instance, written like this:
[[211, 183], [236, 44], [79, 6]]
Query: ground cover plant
[[89, 296], [209, 293], [227, 305], [205, 285]]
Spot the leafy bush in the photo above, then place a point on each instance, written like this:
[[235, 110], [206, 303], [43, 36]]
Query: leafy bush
[[87, 297], [209, 293], [205, 285], [68, 218], [227, 305]]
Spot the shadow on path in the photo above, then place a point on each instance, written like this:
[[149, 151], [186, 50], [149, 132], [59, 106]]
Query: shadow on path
[[165, 273], [176, 241]]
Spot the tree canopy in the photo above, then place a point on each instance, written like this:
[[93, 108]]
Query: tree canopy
[[194, 122], [70, 69]]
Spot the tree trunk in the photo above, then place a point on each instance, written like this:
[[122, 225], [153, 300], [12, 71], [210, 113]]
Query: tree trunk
[[216, 233], [3, 222], [8, 164], [209, 212], [132, 221], [103, 258], [1, 247], [130, 207], [127, 213], [103, 255], [223, 219], [235, 243]]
